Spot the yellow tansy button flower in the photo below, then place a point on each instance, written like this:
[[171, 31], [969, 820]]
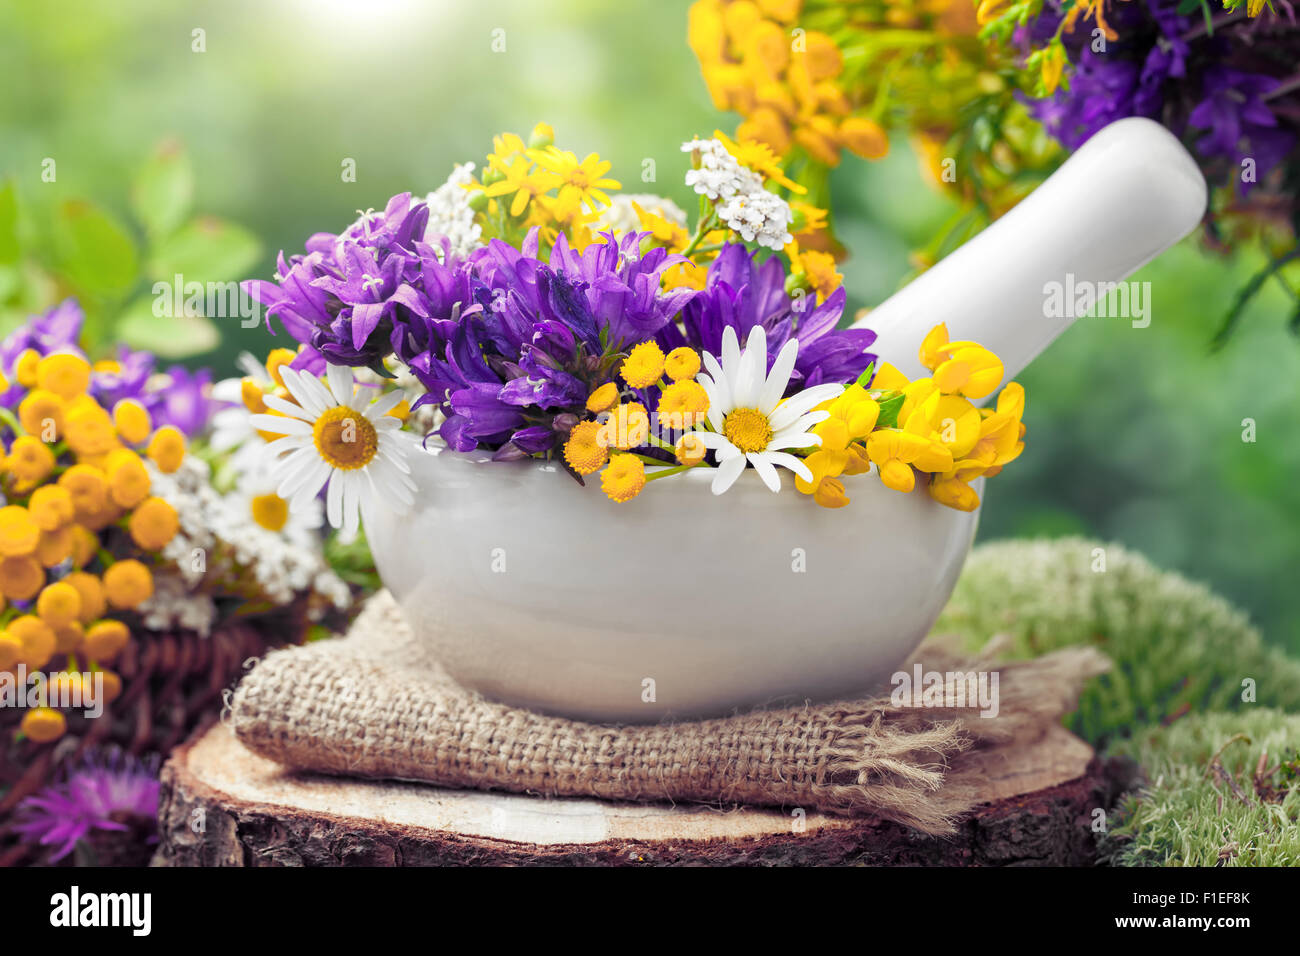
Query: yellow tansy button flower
[[43, 725], [583, 451], [167, 448], [21, 578], [64, 374], [59, 604], [105, 639], [682, 363], [132, 421], [623, 478], [643, 366], [153, 524], [127, 583], [19, 534]]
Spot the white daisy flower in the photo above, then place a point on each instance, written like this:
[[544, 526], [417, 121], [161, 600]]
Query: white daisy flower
[[256, 501], [336, 438], [232, 429], [750, 421]]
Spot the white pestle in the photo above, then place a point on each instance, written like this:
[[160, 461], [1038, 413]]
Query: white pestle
[[1126, 196]]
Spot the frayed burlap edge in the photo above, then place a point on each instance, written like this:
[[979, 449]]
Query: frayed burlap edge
[[375, 704]]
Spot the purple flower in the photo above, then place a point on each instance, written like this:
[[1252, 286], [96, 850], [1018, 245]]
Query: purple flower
[[741, 292], [343, 296], [184, 401], [1238, 120], [108, 791], [56, 329], [1170, 67], [511, 346], [179, 398]]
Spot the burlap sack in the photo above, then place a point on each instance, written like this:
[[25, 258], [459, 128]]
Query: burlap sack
[[376, 704]]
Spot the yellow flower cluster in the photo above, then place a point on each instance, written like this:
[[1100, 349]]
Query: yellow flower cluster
[[77, 518], [784, 80], [536, 184], [625, 425], [937, 433]]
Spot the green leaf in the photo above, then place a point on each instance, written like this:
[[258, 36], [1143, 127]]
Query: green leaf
[[164, 190], [890, 406], [92, 250], [206, 249], [167, 336], [9, 248]]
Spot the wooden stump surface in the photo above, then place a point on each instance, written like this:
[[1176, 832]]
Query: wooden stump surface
[[223, 805]]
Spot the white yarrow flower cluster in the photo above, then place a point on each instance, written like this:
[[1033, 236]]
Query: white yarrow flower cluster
[[744, 203], [218, 543], [450, 214], [621, 217]]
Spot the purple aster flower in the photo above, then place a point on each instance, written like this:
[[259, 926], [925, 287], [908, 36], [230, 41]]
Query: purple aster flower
[[108, 791], [742, 292]]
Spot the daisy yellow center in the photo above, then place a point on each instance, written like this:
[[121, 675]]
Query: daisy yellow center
[[270, 511], [748, 429], [345, 438]]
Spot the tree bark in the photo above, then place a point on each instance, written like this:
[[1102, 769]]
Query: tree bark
[[222, 805]]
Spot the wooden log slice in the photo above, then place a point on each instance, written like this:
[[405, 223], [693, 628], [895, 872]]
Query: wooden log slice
[[222, 805]]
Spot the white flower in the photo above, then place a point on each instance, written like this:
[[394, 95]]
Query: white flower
[[219, 550], [336, 438], [255, 500], [232, 428], [744, 203], [450, 214], [621, 217], [750, 422], [720, 176]]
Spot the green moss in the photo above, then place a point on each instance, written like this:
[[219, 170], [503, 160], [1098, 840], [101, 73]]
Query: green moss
[[1177, 647], [1190, 814]]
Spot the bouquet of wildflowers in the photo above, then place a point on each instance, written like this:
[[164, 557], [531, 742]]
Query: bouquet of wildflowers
[[813, 78], [109, 525], [1221, 76], [535, 318]]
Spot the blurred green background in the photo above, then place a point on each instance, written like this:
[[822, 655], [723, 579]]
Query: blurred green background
[[1134, 434]]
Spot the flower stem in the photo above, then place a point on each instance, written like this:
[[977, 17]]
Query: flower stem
[[700, 232], [664, 473]]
